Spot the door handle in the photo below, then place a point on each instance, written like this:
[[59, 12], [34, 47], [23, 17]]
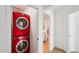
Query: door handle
[[37, 39], [69, 35]]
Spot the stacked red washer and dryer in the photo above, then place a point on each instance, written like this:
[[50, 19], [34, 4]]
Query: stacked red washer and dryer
[[20, 33]]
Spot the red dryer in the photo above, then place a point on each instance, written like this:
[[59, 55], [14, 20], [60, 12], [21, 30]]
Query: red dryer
[[21, 24], [20, 33]]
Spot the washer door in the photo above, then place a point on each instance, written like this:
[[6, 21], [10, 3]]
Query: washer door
[[22, 23], [22, 46]]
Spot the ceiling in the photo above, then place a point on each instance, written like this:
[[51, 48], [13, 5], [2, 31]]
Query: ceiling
[[45, 7], [22, 7]]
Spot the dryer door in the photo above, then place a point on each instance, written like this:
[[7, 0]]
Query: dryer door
[[22, 46], [22, 23]]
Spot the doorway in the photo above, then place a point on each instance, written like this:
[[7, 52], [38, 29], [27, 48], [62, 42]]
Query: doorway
[[74, 32], [46, 19]]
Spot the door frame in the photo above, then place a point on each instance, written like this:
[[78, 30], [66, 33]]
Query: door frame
[[51, 30]]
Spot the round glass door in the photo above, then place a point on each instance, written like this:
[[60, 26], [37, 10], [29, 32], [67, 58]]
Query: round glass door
[[22, 46], [22, 22]]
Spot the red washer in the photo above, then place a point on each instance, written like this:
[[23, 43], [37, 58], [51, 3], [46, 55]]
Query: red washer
[[21, 24], [20, 44], [20, 33]]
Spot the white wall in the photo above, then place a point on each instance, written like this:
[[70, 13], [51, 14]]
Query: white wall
[[52, 31], [61, 29], [34, 33], [40, 30], [5, 29], [2, 29]]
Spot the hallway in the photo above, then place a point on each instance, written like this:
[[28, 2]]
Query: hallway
[[45, 46]]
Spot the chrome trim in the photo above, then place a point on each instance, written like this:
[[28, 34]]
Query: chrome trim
[[24, 49], [19, 26]]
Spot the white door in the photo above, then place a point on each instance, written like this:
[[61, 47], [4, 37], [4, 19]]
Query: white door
[[71, 35], [77, 30], [74, 32]]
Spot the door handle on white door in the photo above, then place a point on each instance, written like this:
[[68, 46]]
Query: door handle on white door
[[69, 35], [37, 39]]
